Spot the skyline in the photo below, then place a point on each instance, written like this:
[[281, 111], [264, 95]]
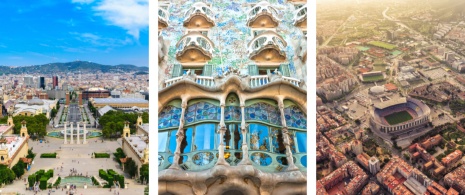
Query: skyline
[[102, 31]]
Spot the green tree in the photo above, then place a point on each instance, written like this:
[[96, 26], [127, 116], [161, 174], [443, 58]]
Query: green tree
[[6, 175], [131, 168], [18, 169], [144, 173]]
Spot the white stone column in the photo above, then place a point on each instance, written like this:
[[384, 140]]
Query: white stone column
[[66, 141], [285, 130], [179, 137], [245, 150], [72, 139], [78, 129], [222, 131], [85, 141]]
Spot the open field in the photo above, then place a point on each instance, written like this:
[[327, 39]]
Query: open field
[[382, 45], [398, 117], [373, 78]]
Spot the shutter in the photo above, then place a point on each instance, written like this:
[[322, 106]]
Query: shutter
[[284, 69], [177, 71], [208, 70], [253, 70]]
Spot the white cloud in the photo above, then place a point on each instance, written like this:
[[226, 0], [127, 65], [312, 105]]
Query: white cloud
[[82, 1], [98, 41], [131, 15]]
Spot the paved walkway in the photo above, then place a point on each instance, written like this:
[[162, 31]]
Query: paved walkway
[[76, 157]]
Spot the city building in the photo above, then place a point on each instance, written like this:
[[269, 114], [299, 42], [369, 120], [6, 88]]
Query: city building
[[136, 146], [232, 99], [121, 103], [335, 183], [13, 147], [95, 93], [55, 82], [374, 165], [456, 179], [42, 82], [452, 158]]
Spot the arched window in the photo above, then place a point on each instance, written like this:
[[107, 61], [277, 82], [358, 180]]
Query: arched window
[[263, 112], [295, 118], [202, 111], [170, 115]]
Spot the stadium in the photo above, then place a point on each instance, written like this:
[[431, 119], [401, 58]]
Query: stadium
[[399, 116]]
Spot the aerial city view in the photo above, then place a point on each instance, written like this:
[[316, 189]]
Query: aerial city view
[[232, 99], [74, 97], [390, 97]]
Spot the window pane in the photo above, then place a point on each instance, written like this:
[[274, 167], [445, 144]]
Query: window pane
[[259, 137], [301, 141], [187, 140], [204, 137], [162, 139], [278, 141], [172, 146]]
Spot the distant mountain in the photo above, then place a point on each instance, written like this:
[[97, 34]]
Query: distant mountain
[[83, 66]]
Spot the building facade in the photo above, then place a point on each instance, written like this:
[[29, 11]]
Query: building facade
[[232, 98]]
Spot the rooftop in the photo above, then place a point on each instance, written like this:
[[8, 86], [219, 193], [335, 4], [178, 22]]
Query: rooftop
[[119, 100]]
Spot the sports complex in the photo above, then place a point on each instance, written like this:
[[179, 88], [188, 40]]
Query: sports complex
[[399, 116]]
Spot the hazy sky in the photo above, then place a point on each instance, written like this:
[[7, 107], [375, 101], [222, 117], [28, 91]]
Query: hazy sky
[[103, 31]]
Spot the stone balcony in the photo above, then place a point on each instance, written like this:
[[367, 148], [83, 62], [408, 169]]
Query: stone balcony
[[199, 15], [163, 17], [267, 47], [246, 81], [300, 17], [262, 15]]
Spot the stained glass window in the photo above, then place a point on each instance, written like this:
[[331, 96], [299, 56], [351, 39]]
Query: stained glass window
[[162, 139], [259, 137], [204, 137], [263, 112], [232, 113], [295, 117], [169, 117], [186, 143], [202, 111]]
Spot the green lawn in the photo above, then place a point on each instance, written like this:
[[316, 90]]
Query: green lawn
[[382, 45], [373, 78], [398, 117]]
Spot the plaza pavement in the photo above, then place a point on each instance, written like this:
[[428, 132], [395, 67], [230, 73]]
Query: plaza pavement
[[77, 157]]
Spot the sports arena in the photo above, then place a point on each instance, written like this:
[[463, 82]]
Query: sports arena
[[398, 116]]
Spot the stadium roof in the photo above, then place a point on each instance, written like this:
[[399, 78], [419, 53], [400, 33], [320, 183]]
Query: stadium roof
[[119, 100], [391, 102]]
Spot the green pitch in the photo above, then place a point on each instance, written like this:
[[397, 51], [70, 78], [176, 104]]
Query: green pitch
[[382, 45], [398, 117]]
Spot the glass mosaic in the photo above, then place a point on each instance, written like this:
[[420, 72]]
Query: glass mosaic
[[295, 117], [202, 111], [169, 117], [263, 112]]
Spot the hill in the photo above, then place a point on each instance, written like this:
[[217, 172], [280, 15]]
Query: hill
[[83, 66]]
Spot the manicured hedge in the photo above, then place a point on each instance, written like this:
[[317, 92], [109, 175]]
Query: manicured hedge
[[110, 175], [57, 182], [121, 181], [48, 155], [42, 177], [43, 183], [95, 181], [102, 155], [31, 179]]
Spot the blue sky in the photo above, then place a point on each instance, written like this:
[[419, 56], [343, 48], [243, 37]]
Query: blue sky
[[108, 32]]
